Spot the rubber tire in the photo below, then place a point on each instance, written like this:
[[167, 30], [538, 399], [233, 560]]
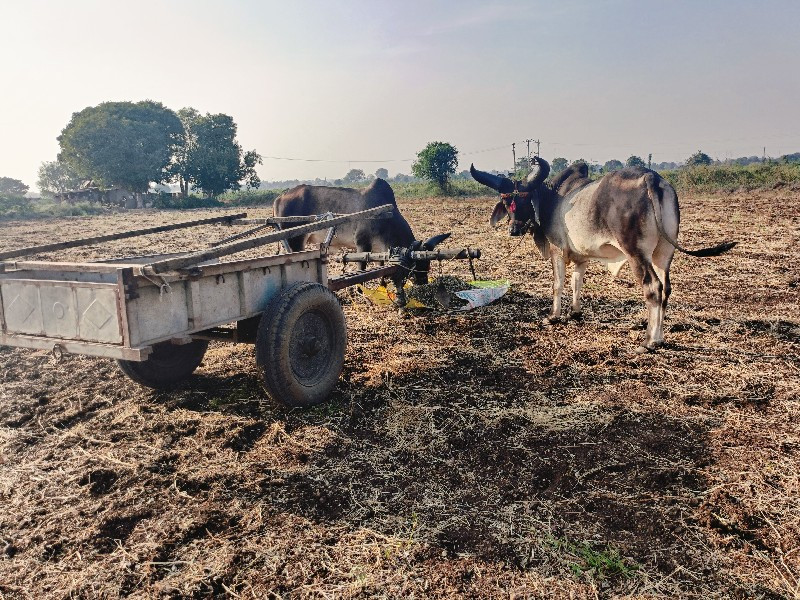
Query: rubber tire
[[167, 365], [301, 371]]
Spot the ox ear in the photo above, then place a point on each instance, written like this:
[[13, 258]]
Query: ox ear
[[434, 241], [493, 181], [498, 214]]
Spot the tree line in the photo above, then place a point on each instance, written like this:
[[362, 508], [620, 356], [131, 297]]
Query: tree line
[[131, 144]]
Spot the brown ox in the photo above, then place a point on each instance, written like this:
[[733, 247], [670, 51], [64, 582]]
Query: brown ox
[[367, 235], [630, 215]]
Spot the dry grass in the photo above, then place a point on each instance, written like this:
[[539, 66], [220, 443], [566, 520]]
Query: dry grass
[[462, 455]]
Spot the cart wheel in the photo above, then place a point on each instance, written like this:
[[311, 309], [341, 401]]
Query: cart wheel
[[167, 365], [300, 345]]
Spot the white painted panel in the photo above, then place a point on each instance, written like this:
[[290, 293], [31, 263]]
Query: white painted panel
[[260, 288], [59, 313], [155, 315], [219, 300], [301, 271], [22, 308], [97, 315]]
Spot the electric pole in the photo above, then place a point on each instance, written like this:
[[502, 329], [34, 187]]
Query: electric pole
[[514, 155]]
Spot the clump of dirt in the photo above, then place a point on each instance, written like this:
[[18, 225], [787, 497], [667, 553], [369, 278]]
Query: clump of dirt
[[440, 292]]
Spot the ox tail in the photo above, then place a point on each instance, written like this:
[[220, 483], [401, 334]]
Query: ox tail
[[653, 194]]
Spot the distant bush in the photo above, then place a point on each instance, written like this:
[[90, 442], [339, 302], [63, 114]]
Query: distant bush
[[78, 209], [250, 197], [179, 203], [459, 188], [17, 207], [727, 178]]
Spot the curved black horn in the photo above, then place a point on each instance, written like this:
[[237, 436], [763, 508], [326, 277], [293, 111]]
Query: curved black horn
[[536, 178], [493, 181], [434, 241]]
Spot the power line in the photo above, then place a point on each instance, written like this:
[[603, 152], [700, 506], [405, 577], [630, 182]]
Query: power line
[[387, 160], [537, 142]]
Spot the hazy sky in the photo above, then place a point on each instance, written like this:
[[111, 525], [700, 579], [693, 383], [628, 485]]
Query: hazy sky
[[369, 80]]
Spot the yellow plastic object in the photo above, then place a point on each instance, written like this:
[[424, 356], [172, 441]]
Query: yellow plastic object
[[379, 295], [489, 283], [382, 296]]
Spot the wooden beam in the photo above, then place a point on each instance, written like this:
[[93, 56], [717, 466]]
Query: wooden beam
[[239, 236], [443, 254], [189, 260], [294, 219], [338, 283], [75, 347], [114, 236]]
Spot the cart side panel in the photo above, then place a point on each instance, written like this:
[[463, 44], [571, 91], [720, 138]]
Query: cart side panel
[[154, 314], [59, 312], [22, 308], [98, 321], [215, 299], [306, 270], [72, 311], [259, 286]]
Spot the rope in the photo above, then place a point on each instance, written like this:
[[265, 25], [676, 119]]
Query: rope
[[163, 287]]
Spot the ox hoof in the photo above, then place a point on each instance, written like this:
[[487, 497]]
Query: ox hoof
[[575, 315], [641, 350], [550, 321]]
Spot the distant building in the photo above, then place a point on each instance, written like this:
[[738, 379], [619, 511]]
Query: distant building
[[90, 192]]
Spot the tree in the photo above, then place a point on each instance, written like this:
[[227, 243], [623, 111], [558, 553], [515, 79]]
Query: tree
[[523, 167], [559, 164], [56, 177], [697, 159], [635, 161], [436, 162], [382, 173], [209, 157], [354, 176], [12, 187], [122, 144], [612, 165]]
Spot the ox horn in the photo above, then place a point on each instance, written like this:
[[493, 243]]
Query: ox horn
[[536, 178], [432, 242], [493, 181]]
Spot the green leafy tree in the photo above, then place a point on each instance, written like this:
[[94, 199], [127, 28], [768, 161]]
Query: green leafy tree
[[354, 176], [210, 158], [635, 161], [523, 167], [56, 177], [559, 164], [122, 144], [382, 173], [697, 159], [612, 165], [12, 187], [436, 162]]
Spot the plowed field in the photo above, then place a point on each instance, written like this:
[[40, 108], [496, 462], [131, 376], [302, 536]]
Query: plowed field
[[477, 454]]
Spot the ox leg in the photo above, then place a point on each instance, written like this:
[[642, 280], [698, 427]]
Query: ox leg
[[577, 284], [296, 244], [559, 274], [662, 259], [653, 297]]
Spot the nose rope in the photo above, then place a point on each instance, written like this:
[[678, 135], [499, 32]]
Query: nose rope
[[513, 206]]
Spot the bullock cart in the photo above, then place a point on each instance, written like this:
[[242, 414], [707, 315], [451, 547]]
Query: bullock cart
[[156, 314]]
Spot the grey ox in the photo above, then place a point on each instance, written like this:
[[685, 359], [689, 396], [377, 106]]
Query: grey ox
[[367, 235], [630, 215]]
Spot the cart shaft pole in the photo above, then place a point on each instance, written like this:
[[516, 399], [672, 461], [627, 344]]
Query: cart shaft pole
[[189, 260]]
